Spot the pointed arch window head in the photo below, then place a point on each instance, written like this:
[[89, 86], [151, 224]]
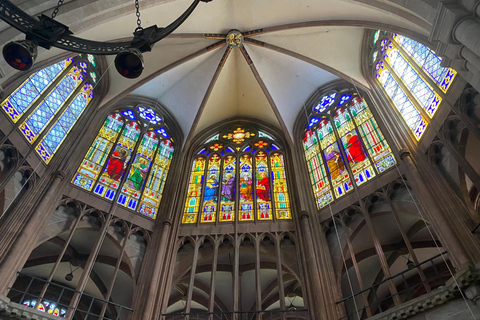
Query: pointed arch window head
[[128, 161], [238, 175], [46, 106], [343, 145], [411, 76]]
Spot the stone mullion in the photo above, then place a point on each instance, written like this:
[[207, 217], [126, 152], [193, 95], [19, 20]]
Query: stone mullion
[[258, 283], [355, 266], [60, 257], [408, 244], [82, 282], [380, 253], [17, 246], [281, 289], [191, 282], [114, 276], [236, 273], [211, 301], [453, 233], [317, 306], [462, 162]]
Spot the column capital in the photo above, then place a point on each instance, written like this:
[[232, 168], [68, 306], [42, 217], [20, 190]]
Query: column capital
[[304, 215], [167, 222], [59, 175], [404, 152]]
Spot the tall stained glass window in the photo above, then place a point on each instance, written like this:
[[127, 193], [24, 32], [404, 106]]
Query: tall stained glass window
[[238, 175], [343, 146], [129, 159], [412, 78], [46, 106]]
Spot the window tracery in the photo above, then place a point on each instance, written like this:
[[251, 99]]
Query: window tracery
[[411, 76], [239, 175], [48, 104], [130, 156], [343, 145]]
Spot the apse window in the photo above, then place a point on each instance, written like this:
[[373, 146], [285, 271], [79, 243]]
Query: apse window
[[238, 175], [128, 161], [343, 145], [411, 76], [46, 106]]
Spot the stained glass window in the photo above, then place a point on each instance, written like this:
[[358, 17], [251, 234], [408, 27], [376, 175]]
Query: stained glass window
[[343, 146], [47, 307], [130, 156], [49, 103], [240, 176], [23, 98], [412, 78]]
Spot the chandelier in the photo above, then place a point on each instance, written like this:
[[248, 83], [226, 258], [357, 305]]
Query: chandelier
[[46, 32]]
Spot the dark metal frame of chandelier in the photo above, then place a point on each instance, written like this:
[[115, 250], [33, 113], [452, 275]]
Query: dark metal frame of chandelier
[[47, 32]]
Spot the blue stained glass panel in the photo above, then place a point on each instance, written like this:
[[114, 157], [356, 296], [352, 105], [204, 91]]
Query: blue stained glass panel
[[422, 92], [64, 124], [411, 116], [37, 121], [426, 59], [24, 96]]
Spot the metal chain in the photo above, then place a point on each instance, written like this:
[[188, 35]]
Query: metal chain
[[55, 11], [139, 22]]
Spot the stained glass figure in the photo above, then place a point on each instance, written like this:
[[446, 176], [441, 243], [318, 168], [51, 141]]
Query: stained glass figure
[[246, 188], [152, 194], [262, 187], [194, 191], [316, 169], [55, 136], [238, 184], [212, 186], [280, 192], [25, 96], [357, 159], [118, 161], [227, 204], [133, 187], [104, 169], [375, 142], [96, 156], [47, 109], [333, 164]]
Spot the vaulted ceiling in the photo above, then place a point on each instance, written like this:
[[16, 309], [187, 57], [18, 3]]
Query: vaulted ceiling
[[301, 45]]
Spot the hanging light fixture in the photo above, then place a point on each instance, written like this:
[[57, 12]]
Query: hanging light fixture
[[46, 32]]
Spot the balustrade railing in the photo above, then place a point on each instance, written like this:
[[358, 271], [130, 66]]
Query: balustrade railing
[[407, 289], [89, 308], [297, 314]]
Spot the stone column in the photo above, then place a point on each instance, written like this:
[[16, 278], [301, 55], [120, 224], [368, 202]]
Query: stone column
[[24, 242], [150, 277], [316, 300], [452, 231]]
